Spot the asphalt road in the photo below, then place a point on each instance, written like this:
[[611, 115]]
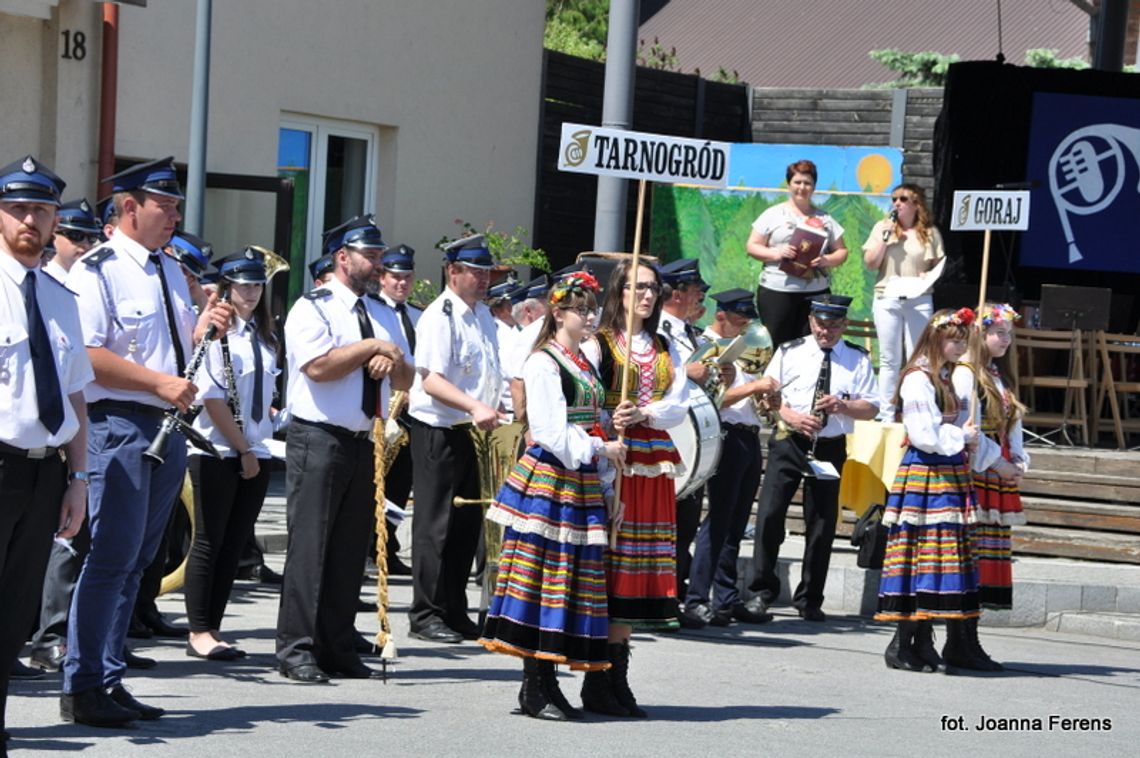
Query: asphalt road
[[784, 688]]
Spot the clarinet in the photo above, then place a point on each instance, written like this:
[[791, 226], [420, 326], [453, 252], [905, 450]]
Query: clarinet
[[232, 398], [822, 387], [173, 420]]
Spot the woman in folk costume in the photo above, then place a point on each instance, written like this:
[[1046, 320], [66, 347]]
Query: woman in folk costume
[[641, 564], [928, 572], [998, 465], [550, 597]]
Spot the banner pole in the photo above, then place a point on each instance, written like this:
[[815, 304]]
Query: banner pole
[[984, 278]]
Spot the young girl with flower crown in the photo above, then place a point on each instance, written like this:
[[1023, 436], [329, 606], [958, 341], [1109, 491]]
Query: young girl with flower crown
[[999, 462], [928, 572], [550, 598]]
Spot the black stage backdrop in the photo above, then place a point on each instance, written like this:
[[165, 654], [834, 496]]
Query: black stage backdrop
[[981, 139]]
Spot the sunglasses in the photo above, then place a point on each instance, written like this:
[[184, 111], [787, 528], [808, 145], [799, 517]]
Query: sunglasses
[[902, 199], [80, 237]]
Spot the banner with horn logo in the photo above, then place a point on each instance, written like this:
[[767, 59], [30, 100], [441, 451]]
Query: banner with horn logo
[[638, 155]]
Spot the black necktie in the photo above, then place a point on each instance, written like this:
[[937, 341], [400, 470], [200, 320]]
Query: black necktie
[[371, 387], [406, 322], [823, 384], [258, 369], [179, 356], [691, 333], [43, 362]]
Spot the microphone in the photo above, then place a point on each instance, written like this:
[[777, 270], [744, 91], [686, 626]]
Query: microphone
[[894, 220]]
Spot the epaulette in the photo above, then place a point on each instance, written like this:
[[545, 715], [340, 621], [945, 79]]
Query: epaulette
[[853, 346], [792, 343], [317, 293], [98, 255], [53, 280], [447, 307]]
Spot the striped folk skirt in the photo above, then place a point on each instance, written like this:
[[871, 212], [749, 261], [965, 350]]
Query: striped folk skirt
[[929, 571], [999, 508], [641, 571], [550, 597]]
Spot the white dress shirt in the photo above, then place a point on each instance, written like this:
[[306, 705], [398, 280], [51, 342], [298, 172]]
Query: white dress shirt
[[319, 322], [742, 411], [464, 349], [121, 308], [20, 424], [57, 272], [520, 348], [673, 329], [796, 366]]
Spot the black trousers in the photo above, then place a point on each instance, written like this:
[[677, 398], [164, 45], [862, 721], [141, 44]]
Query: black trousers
[[59, 582], [444, 537], [31, 492], [688, 521], [785, 313], [732, 490], [225, 513], [787, 461], [330, 499]]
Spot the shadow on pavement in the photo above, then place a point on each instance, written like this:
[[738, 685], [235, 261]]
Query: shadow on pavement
[[734, 712]]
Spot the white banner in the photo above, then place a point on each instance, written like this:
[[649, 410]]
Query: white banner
[[978, 210], [638, 155]]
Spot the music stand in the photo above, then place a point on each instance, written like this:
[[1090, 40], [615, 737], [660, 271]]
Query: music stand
[[1066, 308]]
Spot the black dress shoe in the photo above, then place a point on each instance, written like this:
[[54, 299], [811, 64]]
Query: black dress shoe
[[365, 606], [137, 661], [396, 567], [436, 631], [465, 628], [218, 652], [49, 658], [694, 616], [23, 672], [119, 694], [138, 630], [811, 613], [266, 575], [721, 617], [160, 627], [754, 611], [306, 673], [358, 671], [94, 707]]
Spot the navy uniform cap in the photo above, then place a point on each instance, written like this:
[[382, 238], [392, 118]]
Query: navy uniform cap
[[245, 266], [471, 251], [829, 307], [684, 271], [358, 233], [192, 252], [157, 177], [321, 266], [736, 301], [400, 258], [537, 288], [29, 181], [106, 209], [77, 216], [210, 277], [503, 289]]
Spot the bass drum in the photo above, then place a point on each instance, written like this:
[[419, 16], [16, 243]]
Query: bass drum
[[698, 440]]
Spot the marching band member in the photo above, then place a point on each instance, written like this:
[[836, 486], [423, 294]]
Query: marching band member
[[237, 391], [193, 253], [322, 269], [341, 345], [458, 382], [732, 489], [550, 599], [43, 370], [641, 568], [515, 352], [76, 231], [827, 383]]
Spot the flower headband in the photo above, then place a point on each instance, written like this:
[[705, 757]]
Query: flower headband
[[960, 317], [579, 281], [1000, 312]]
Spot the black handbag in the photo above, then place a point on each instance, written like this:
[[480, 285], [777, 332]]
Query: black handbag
[[870, 536]]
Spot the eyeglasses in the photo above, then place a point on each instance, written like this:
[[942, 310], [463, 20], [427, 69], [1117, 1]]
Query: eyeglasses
[[643, 287], [902, 199], [80, 237], [581, 310]]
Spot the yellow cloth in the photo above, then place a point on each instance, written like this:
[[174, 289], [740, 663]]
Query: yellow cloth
[[874, 452]]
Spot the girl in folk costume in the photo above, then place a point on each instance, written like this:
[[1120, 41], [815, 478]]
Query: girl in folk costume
[[550, 598], [640, 566], [928, 572], [998, 464], [228, 493]]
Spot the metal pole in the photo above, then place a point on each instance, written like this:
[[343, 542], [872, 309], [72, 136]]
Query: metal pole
[[1112, 18], [199, 116], [108, 97], [617, 113]]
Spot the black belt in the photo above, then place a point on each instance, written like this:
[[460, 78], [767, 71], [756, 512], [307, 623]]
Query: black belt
[[747, 428], [34, 453], [333, 429], [124, 406]]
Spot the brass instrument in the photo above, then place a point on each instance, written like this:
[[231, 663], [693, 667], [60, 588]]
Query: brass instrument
[[496, 452], [751, 351]]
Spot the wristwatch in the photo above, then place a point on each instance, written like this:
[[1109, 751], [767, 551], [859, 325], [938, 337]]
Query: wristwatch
[[82, 476]]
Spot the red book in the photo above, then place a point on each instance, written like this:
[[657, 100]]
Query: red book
[[809, 244]]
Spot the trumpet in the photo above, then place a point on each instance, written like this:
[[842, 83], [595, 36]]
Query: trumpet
[[751, 351]]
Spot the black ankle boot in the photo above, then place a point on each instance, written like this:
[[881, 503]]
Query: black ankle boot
[[598, 695], [957, 652], [924, 645], [553, 693], [900, 652], [619, 678], [981, 657], [532, 696]]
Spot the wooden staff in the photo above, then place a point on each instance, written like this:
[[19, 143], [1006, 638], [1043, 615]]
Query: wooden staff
[[631, 300], [978, 315]]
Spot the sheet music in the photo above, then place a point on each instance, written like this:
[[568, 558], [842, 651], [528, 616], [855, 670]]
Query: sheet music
[[909, 287]]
